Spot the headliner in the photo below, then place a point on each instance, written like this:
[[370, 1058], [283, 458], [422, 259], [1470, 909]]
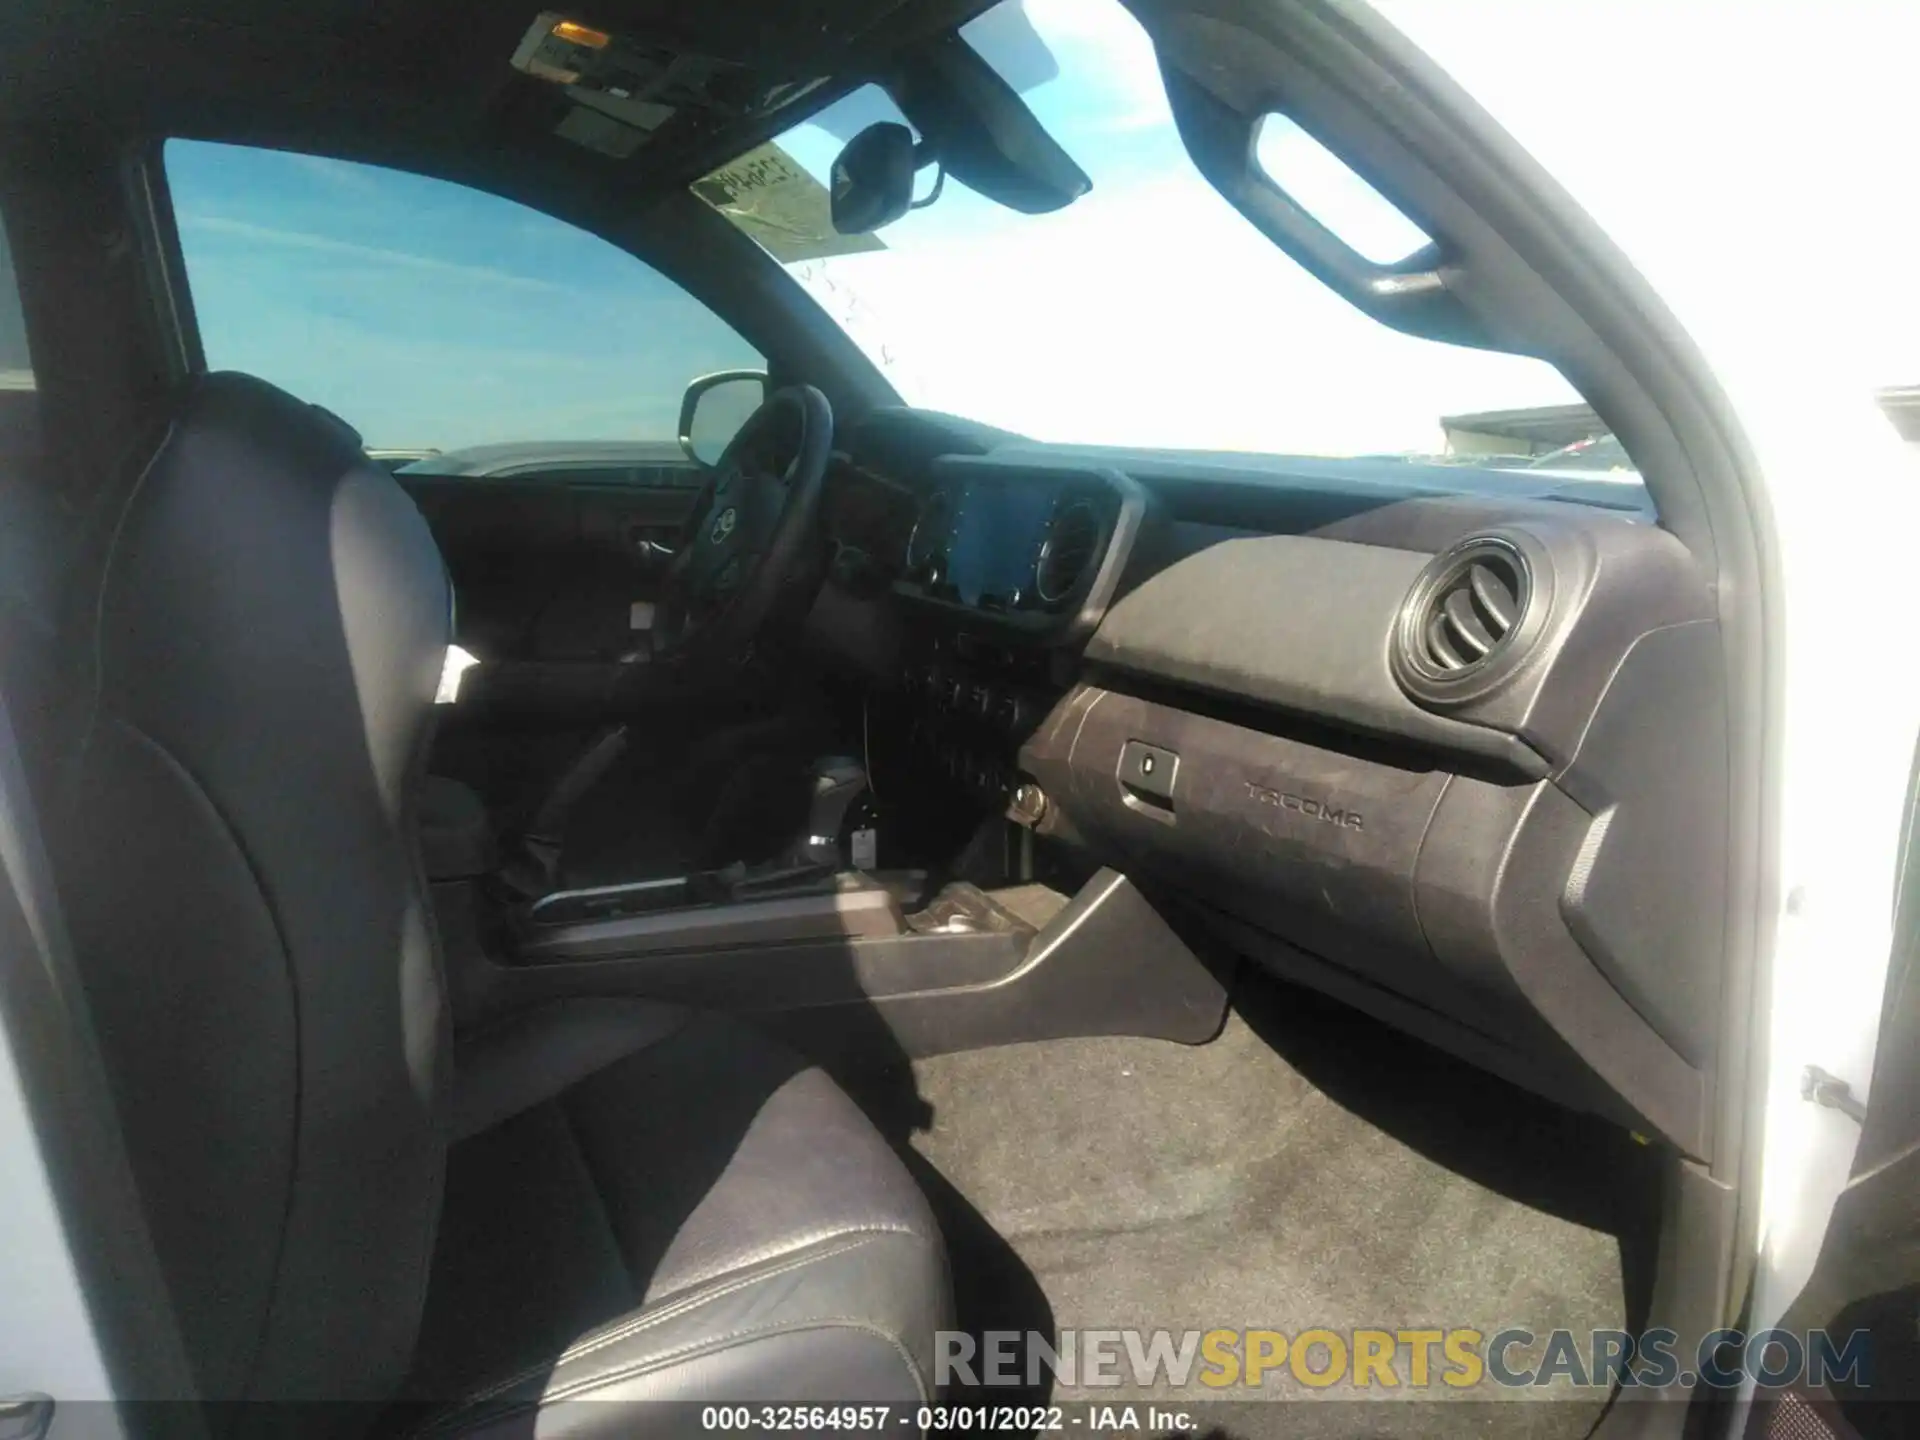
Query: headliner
[[405, 79]]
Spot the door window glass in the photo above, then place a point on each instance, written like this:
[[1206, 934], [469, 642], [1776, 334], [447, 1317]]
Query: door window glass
[[433, 317]]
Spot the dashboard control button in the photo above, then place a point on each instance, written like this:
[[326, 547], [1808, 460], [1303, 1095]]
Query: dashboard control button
[[1149, 770]]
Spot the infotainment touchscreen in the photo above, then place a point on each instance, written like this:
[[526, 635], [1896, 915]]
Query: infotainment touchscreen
[[996, 537]]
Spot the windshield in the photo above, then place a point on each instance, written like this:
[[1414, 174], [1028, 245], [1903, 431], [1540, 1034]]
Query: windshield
[[1596, 452], [1148, 312]]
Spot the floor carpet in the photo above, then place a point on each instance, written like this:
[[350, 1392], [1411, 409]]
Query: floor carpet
[[1307, 1168]]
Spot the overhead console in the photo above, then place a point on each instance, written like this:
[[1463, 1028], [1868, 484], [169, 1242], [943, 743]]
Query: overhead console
[[1482, 793]]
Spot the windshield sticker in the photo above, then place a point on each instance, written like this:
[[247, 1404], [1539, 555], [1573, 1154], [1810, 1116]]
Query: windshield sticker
[[780, 207]]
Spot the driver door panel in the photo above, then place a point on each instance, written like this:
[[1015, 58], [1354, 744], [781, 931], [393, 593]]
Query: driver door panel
[[547, 568]]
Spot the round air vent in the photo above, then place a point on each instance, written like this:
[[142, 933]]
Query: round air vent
[[1461, 629], [927, 541], [1073, 541]]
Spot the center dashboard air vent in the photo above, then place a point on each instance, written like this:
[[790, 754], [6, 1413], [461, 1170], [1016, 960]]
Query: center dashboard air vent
[[1071, 546], [1468, 622]]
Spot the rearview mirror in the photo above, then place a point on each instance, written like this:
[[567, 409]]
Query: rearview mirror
[[713, 410], [872, 180]]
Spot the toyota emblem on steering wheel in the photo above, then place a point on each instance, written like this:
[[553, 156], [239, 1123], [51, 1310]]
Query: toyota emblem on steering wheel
[[723, 524]]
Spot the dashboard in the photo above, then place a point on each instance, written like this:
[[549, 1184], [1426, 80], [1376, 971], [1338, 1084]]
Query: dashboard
[[1447, 744], [1032, 549]]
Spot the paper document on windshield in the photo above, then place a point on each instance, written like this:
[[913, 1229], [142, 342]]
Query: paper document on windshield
[[780, 207]]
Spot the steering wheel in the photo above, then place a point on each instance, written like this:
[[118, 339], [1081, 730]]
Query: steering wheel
[[752, 547]]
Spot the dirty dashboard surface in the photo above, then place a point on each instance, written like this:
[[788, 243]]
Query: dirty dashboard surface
[[1446, 743]]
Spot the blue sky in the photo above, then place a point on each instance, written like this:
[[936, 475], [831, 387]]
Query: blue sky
[[1148, 312], [428, 314]]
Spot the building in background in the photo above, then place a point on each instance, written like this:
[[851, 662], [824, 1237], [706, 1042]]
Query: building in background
[[1545, 429]]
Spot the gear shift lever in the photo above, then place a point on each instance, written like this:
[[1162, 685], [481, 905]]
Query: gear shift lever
[[837, 782], [815, 858]]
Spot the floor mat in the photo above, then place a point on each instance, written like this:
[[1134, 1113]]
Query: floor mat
[[1308, 1168]]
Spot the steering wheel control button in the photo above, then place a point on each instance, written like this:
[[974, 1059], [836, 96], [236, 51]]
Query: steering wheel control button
[[1148, 773]]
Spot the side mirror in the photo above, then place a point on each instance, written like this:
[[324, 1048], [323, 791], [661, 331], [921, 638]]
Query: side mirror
[[871, 184], [713, 410]]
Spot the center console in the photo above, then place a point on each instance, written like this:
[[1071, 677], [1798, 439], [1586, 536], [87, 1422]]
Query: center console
[[714, 910], [974, 704], [1008, 568], [860, 970], [853, 968], [1023, 549]]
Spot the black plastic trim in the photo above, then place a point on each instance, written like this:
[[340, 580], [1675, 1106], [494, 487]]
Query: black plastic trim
[[1101, 962], [1429, 684], [1091, 595], [1484, 903], [1294, 622]]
